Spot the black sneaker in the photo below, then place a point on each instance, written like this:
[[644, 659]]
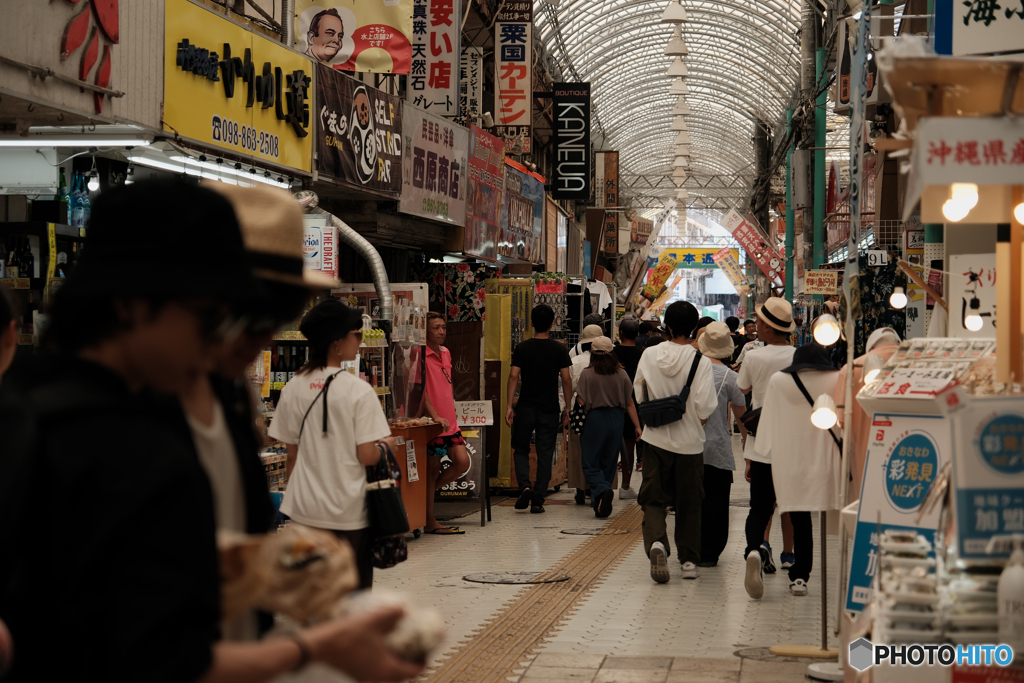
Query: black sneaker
[[604, 503], [536, 509], [581, 497], [709, 563], [523, 501]]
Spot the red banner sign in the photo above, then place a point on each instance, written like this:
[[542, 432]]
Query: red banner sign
[[757, 246]]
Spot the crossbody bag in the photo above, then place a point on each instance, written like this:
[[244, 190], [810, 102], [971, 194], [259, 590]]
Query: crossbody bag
[[807, 395], [665, 411]]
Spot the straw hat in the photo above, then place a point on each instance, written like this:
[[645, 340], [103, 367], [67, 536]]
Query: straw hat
[[272, 229], [776, 313], [590, 333], [602, 345], [716, 341]]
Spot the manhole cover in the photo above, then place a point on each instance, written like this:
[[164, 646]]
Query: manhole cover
[[599, 531], [516, 577]]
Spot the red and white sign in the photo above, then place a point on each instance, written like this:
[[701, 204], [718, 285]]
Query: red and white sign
[[915, 383], [757, 246], [513, 61], [985, 151], [319, 245], [434, 79]]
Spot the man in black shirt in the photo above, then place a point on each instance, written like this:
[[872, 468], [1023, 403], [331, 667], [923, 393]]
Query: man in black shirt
[[540, 361]]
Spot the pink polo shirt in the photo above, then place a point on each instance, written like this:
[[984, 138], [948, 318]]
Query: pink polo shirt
[[439, 386]]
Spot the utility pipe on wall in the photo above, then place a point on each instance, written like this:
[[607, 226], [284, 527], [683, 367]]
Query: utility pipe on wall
[[288, 23]]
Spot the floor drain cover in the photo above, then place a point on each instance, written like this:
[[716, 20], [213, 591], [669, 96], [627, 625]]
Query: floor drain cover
[[516, 577], [599, 531]]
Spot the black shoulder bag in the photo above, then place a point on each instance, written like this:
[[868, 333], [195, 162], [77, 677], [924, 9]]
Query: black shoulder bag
[[665, 411], [807, 395]]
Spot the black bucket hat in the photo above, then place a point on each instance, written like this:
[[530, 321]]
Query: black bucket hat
[[811, 356], [329, 321]]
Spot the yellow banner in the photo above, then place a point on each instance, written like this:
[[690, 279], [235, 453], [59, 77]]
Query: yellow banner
[[229, 88], [356, 35], [659, 276]]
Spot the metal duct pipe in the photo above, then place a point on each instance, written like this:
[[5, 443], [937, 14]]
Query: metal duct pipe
[[370, 255], [288, 23], [808, 43]]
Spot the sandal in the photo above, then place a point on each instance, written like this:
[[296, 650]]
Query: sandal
[[447, 531]]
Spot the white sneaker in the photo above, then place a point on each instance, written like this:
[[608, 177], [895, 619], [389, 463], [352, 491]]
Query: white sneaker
[[626, 493], [659, 563], [754, 581], [798, 587], [690, 570]]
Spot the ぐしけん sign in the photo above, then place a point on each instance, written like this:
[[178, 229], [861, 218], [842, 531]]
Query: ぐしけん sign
[[359, 136], [571, 111]]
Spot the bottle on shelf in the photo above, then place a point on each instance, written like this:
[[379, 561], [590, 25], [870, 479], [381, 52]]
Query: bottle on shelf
[[13, 261], [86, 203], [27, 267], [76, 200], [295, 364], [872, 72], [65, 195], [286, 358]]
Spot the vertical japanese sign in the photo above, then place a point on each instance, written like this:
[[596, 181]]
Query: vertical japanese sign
[[513, 80], [433, 80], [757, 246], [962, 290], [486, 193], [351, 35], [434, 176], [725, 259], [905, 456], [359, 136], [522, 214], [606, 195], [657, 278], [988, 468], [571, 110], [471, 83], [913, 253]]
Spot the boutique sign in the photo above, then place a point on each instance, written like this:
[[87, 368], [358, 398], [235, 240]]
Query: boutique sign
[[571, 178], [229, 88]]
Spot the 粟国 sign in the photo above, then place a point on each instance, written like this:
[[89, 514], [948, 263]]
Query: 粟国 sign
[[229, 88], [571, 176], [513, 77]]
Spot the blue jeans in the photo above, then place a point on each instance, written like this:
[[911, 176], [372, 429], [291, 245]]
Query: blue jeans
[[528, 420], [600, 442]]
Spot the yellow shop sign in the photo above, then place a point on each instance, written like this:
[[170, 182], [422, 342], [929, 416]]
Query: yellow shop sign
[[230, 88]]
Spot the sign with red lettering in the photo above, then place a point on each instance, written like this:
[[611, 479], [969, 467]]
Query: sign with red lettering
[[985, 151], [513, 78], [434, 177], [434, 79], [758, 248], [821, 282], [357, 36]]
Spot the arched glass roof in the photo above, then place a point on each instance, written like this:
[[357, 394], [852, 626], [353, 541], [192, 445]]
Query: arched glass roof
[[743, 63]]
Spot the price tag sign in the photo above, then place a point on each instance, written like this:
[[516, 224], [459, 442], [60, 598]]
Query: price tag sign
[[473, 413], [877, 257]]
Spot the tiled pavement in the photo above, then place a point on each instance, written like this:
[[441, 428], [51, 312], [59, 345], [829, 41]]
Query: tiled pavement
[[627, 629]]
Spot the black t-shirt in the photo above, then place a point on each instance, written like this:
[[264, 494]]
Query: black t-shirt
[[540, 361], [116, 546], [629, 357]]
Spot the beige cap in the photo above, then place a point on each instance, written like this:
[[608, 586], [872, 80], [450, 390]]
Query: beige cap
[[716, 341], [602, 345], [590, 333]]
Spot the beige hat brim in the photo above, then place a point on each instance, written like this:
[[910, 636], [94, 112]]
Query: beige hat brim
[[310, 279], [769, 323], [719, 353]]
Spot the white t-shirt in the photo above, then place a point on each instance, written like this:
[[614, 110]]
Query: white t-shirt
[[327, 488], [217, 456], [806, 465], [757, 369]]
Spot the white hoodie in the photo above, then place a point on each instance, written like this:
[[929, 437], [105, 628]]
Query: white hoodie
[[665, 368]]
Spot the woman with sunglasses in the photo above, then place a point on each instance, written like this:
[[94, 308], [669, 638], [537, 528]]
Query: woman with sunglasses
[[334, 420]]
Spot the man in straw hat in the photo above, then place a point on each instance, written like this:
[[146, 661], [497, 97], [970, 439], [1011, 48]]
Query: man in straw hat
[[716, 343], [774, 325], [806, 460], [143, 601], [673, 461]]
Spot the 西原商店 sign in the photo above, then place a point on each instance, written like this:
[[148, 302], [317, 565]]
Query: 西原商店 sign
[[359, 136], [756, 245], [356, 36], [229, 88], [513, 74], [434, 77], [434, 176], [571, 110]]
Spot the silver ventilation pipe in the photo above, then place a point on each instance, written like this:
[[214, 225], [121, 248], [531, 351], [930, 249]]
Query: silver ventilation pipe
[[808, 44], [308, 201], [288, 23]]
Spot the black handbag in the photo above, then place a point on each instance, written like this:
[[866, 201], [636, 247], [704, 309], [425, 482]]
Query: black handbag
[[665, 411], [750, 420], [384, 498], [577, 417]]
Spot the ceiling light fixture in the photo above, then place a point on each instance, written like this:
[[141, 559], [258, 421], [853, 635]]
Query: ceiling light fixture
[[826, 330], [675, 13], [679, 88], [676, 44], [83, 141], [678, 123], [678, 69], [94, 177]]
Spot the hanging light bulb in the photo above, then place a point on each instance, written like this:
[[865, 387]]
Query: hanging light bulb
[[873, 365], [676, 45], [823, 415], [898, 298], [966, 193], [94, 177], [826, 330], [973, 321], [954, 211], [675, 13], [129, 175], [1018, 212]]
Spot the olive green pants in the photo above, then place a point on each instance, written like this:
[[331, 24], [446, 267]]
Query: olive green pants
[[672, 479]]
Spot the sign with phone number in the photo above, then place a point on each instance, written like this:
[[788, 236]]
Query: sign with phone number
[[245, 137]]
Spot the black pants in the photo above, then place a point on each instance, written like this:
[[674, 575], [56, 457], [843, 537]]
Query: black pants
[[527, 421], [762, 506], [672, 479], [714, 513], [360, 541]]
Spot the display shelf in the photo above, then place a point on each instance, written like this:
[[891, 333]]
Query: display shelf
[[289, 335]]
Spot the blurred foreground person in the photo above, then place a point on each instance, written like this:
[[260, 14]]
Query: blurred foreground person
[[117, 553], [8, 329]]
